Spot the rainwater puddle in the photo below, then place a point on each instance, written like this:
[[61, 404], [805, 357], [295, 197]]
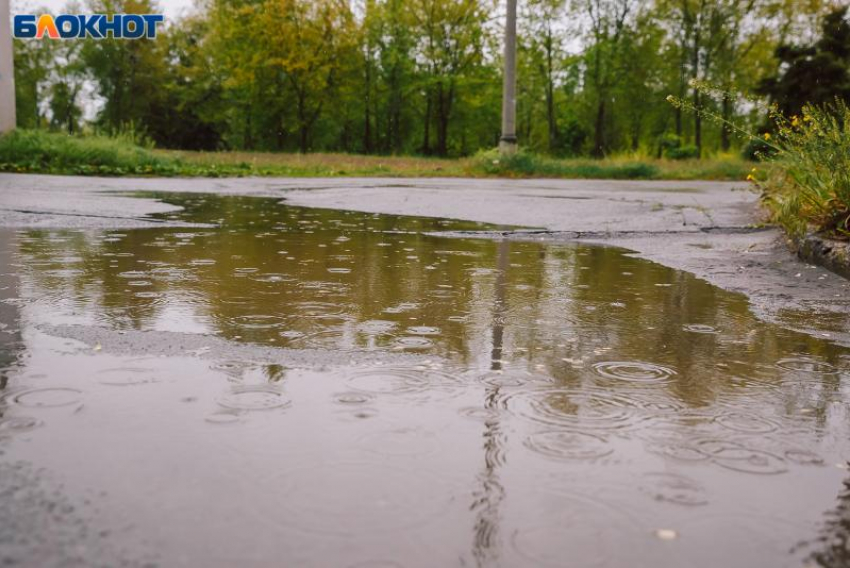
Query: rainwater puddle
[[312, 387]]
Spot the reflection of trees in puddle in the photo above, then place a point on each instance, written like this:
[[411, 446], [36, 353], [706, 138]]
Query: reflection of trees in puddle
[[263, 277], [833, 544]]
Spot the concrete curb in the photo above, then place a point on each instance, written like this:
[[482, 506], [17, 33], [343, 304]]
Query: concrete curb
[[828, 253]]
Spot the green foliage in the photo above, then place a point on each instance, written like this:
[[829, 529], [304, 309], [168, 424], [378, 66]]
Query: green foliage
[[525, 164], [816, 74], [32, 69], [807, 186], [423, 77], [757, 149], [688, 152], [810, 188], [40, 151], [671, 147]]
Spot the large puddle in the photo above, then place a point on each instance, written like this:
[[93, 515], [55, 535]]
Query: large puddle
[[345, 389]]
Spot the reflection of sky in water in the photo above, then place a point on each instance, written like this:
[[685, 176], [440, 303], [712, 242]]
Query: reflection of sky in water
[[555, 398]]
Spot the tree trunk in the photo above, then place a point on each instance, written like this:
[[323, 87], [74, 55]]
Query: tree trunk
[[443, 111], [426, 140], [303, 127], [599, 135], [305, 137], [697, 114], [367, 119], [682, 74], [725, 131], [248, 137]]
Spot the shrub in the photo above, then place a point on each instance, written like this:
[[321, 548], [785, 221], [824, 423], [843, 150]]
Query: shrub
[[668, 142], [689, 152], [672, 147], [526, 164], [49, 152], [757, 149], [810, 188]]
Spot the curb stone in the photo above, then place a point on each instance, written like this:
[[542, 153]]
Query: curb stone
[[829, 253]]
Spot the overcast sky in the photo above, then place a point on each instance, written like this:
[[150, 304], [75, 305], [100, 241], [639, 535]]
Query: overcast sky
[[170, 8]]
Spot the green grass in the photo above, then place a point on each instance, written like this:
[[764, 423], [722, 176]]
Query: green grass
[[45, 152], [37, 151], [808, 187]]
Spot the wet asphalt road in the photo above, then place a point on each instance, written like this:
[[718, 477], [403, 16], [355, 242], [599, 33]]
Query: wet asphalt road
[[706, 228], [711, 229]]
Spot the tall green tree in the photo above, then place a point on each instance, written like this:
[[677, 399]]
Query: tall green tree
[[816, 74]]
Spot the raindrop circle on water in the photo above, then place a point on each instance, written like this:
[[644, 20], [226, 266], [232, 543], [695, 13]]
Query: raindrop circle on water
[[569, 445], [223, 418], [747, 423], [388, 381], [509, 379], [479, 413], [423, 330], [634, 371], [573, 408], [674, 488], [48, 397], [253, 397], [17, 424], [587, 532], [291, 334], [352, 398], [322, 310], [700, 328], [413, 342], [258, 321], [806, 365], [377, 327], [803, 457], [738, 457]]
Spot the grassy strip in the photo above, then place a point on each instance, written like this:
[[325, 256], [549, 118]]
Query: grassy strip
[[46, 152], [529, 165]]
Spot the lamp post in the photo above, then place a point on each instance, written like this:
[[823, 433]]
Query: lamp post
[[507, 143], [7, 70]]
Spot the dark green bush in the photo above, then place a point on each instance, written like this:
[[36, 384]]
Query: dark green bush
[[683, 153]]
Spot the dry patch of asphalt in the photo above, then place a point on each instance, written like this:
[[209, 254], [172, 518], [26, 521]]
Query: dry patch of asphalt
[[706, 228]]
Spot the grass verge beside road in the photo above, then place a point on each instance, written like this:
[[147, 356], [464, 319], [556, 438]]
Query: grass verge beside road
[[33, 151]]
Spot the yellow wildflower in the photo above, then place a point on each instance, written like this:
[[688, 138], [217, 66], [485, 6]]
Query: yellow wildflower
[[750, 177], [795, 121], [767, 135]]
